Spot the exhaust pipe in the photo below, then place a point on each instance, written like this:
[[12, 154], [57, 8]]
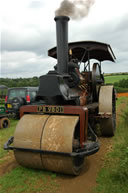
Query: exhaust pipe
[[62, 43]]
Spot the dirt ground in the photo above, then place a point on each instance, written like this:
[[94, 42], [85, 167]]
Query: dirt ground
[[86, 181], [9, 164], [122, 94]]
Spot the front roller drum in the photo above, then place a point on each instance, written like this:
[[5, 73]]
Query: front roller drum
[[53, 133]]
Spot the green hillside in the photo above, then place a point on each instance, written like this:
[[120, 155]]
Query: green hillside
[[120, 81], [115, 78]]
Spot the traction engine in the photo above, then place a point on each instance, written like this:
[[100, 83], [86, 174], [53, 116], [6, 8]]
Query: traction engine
[[59, 131]]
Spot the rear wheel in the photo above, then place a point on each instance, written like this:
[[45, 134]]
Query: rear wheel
[[17, 102], [107, 106]]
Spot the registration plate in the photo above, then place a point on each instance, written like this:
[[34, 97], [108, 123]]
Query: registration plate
[[9, 106], [50, 109]]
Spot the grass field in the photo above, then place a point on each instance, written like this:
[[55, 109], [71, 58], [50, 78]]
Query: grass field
[[116, 78], [4, 135], [113, 177], [22, 179]]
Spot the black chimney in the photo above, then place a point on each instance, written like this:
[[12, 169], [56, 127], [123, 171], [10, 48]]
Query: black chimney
[[62, 43]]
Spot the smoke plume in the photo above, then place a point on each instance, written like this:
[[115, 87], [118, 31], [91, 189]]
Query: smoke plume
[[76, 9]]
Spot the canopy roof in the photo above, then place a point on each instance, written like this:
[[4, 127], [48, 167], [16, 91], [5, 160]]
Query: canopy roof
[[88, 49]]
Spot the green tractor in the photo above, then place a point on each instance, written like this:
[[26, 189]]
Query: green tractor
[[4, 121]]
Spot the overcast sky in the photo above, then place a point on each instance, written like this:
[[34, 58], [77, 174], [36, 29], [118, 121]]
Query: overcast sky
[[28, 31]]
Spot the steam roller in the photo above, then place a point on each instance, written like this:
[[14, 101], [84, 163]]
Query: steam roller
[[58, 131]]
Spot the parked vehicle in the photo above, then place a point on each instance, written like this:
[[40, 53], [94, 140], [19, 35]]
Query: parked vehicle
[[4, 121], [3, 91], [18, 97]]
